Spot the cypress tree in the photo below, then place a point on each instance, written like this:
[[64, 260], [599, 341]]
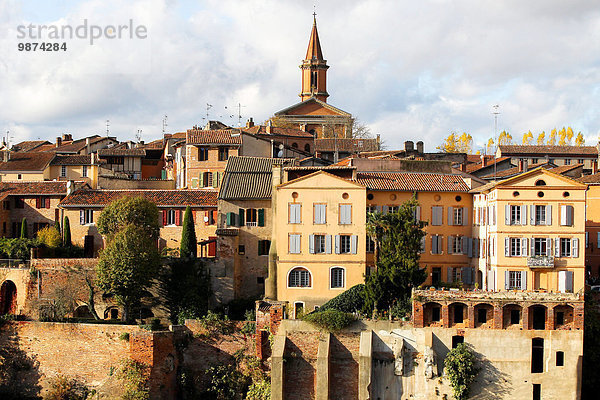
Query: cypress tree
[[24, 228], [188, 236], [57, 225], [66, 233]]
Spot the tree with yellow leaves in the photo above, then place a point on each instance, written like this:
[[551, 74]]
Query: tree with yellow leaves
[[505, 138], [490, 146], [541, 138], [579, 140], [527, 138], [457, 144], [552, 138]]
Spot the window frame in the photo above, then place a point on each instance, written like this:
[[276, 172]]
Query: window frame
[[290, 213], [343, 222], [514, 280], [315, 213], [321, 240], [543, 243], [331, 277], [300, 269], [345, 238], [515, 247], [457, 216], [63, 171], [539, 210], [566, 244]]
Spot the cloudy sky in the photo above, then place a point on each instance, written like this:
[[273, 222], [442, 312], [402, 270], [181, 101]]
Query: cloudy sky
[[407, 69]]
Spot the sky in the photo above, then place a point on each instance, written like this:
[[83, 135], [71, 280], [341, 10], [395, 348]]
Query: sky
[[409, 70]]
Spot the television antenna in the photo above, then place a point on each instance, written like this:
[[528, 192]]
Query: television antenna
[[495, 111], [208, 107], [107, 125], [239, 113], [138, 135], [164, 124]]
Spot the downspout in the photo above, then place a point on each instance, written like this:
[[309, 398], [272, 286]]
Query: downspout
[[271, 281]]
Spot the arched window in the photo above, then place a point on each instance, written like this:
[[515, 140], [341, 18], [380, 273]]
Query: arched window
[[295, 145], [299, 277], [337, 277], [307, 148], [540, 182]]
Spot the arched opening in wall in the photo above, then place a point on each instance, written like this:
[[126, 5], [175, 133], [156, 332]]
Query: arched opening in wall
[[112, 313], [457, 312], [307, 148], [563, 317], [537, 317], [294, 145], [82, 311], [484, 315], [512, 316], [8, 298], [432, 314], [143, 313]]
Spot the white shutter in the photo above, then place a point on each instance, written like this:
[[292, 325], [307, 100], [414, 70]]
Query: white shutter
[[507, 215], [418, 213], [328, 244], [532, 214], [563, 215], [507, 247], [523, 280], [524, 247], [450, 214], [523, 215], [353, 244], [491, 281], [532, 252], [466, 216], [557, 247], [337, 244], [311, 244], [575, 247], [548, 247], [562, 281], [506, 280], [548, 215]]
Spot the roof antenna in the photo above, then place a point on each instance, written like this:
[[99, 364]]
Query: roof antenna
[[495, 112], [208, 107], [138, 135], [107, 125], [164, 124]]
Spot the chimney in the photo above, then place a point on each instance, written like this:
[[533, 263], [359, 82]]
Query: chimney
[[66, 137], [6, 155], [409, 146], [70, 187], [521, 165], [58, 141], [483, 160], [595, 167], [303, 127], [87, 145], [420, 147], [269, 123], [93, 158], [250, 123], [378, 141]]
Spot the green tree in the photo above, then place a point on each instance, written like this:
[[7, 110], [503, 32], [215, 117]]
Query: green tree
[[129, 211], [127, 265], [66, 233], [186, 288], [57, 227], [461, 370], [189, 243], [50, 237], [24, 228], [397, 267]]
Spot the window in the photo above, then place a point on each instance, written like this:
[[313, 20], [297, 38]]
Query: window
[[515, 247], [223, 153], [19, 176], [515, 215], [540, 247], [370, 244], [171, 217], [580, 161], [567, 161], [320, 211], [371, 209], [337, 278], [295, 213], [514, 280], [63, 171], [457, 216], [436, 244], [537, 355], [307, 148], [241, 249], [456, 340], [84, 171], [537, 391], [299, 277], [318, 244], [515, 317], [345, 214], [86, 217], [566, 215], [393, 209], [560, 359], [263, 247], [344, 244], [436, 215], [294, 243], [202, 153], [540, 215], [207, 179], [456, 244], [565, 247], [560, 318]]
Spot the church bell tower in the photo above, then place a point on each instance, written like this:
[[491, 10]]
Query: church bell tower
[[314, 69]]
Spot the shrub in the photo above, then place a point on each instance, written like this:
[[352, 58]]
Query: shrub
[[248, 328], [135, 377], [460, 370], [124, 336], [64, 388], [24, 233], [349, 301], [15, 248], [49, 237], [189, 245], [225, 382], [330, 320], [259, 391], [213, 323]]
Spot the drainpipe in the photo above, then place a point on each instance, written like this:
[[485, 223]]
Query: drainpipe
[[271, 281]]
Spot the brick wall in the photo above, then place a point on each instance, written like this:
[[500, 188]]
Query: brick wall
[[343, 366], [299, 377]]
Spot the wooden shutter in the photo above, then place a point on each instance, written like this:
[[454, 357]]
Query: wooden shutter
[[215, 216], [82, 217], [337, 244], [570, 215], [507, 215], [575, 247], [201, 180], [524, 247], [242, 219], [216, 180], [38, 202], [548, 247], [353, 244], [434, 244], [470, 247], [440, 241], [449, 274], [463, 244], [491, 279], [523, 280], [450, 243], [212, 247], [178, 217], [229, 218], [450, 216], [467, 275], [523, 215], [506, 280], [328, 244], [506, 247], [562, 281], [532, 215], [466, 216], [47, 200], [569, 281], [598, 241], [311, 244], [418, 213], [261, 217], [548, 215], [532, 252]]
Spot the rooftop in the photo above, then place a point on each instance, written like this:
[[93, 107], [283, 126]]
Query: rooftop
[[162, 198], [26, 161], [71, 160], [346, 145], [548, 150], [121, 153], [221, 136], [411, 181]]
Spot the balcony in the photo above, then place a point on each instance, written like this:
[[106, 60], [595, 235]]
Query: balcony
[[540, 262]]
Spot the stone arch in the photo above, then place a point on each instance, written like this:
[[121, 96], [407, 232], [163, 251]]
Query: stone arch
[[563, 316], [538, 315], [307, 148], [432, 314], [484, 315], [8, 298], [112, 312], [512, 316], [83, 311], [458, 314]]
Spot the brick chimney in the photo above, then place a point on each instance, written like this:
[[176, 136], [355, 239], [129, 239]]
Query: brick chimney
[[58, 141], [521, 165], [250, 123], [483, 160]]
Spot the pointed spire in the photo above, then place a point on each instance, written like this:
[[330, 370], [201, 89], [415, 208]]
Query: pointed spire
[[314, 46]]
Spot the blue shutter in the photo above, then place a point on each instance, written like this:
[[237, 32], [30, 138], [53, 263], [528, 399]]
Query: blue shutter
[[328, 244], [353, 244], [311, 244]]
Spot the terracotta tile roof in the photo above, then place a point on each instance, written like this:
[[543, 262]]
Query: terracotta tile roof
[[590, 179], [249, 177], [565, 168], [71, 160], [346, 145], [551, 150], [411, 181], [157, 144], [121, 152], [162, 198], [476, 158], [513, 171], [275, 130], [33, 188], [489, 162], [30, 161], [222, 136], [29, 145]]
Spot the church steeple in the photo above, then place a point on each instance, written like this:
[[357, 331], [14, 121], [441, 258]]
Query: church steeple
[[314, 69]]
